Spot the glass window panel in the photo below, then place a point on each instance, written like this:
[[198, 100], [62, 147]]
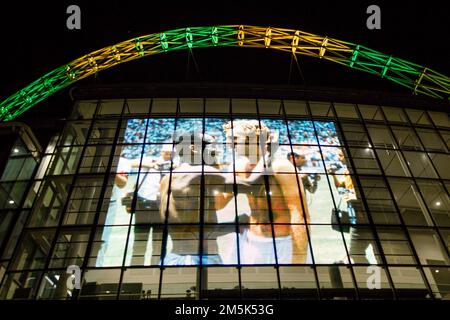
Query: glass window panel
[[103, 132], [302, 132], [437, 201], [140, 284], [322, 109], [364, 160], [326, 133], [344, 110], [420, 165], [75, 133], [439, 280], [33, 250], [431, 140], [54, 286], [296, 107], [164, 105], [410, 203], [136, 106], [429, 247], [395, 114], [134, 130], [327, 245], [111, 107], [84, 109], [362, 246], [440, 119], [370, 112], [335, 277], [446, 237], [393, 163], [406, 138], [183, 247], [441, 162], [65, 160], [408, 283], [84, 200], [240, 106], [11, 242], [355, 134], [100, 284], [50, 202], [395, 246], [179, 283], [223, 282], [270, 107], [219, 244], [20, 285], [144, 245], [278, 130], [108, 247], [379, 201], [70, 248], [446, 137], [381, 137], [217, 105], [368, 286], [298, 282], [418, 117], [257, 280], [191, 105], [308, 159], [95, 159]]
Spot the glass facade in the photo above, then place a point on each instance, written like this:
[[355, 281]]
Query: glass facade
[[209, 198]]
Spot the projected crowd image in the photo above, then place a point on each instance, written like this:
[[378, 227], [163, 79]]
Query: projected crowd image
[[193, 191]]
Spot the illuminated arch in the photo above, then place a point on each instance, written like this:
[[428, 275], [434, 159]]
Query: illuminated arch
[[419, 79]]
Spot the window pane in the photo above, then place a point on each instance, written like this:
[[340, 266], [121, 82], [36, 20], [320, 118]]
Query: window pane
[[410, 203], [431, 140], [294, 107], [394, 114], [346, 110], [408, 283], [179, 283], [392, 163], [100, 284], [395, 246], [381, 136], [140, 284], [437, 201], [428, 247], [298, 282]]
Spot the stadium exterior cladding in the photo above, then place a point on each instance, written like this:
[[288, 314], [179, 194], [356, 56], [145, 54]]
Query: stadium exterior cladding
[[356, 204]]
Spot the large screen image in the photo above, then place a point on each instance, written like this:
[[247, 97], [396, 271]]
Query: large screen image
[[212, 191]]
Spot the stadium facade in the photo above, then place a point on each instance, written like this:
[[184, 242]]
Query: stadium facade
[[347, 196]]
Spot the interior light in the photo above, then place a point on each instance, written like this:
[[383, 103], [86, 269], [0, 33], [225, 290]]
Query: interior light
[[11, 201], [16, 150], [437, 271], [438, 203]]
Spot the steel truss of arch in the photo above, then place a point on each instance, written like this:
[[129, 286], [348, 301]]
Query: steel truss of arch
[[419, 79]]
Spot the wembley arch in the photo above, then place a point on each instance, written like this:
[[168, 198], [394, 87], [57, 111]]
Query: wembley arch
[[419, 79]]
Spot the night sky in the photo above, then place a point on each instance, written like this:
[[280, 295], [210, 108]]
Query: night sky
[[35, 40]]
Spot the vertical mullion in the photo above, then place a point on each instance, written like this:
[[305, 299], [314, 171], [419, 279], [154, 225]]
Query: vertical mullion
[[106, 177], [268, 198], [166, 214], [303, 202], [133, 209], [236, 209]]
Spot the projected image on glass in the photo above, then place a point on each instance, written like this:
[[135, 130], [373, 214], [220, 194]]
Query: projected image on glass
[[193, 191]]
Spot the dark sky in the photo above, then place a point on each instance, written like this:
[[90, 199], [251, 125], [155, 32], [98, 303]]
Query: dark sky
[[35, 40]]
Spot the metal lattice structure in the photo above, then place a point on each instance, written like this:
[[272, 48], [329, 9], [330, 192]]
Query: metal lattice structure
[[419, 79]]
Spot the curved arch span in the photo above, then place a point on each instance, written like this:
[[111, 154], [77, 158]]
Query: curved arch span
[[419, 79]]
